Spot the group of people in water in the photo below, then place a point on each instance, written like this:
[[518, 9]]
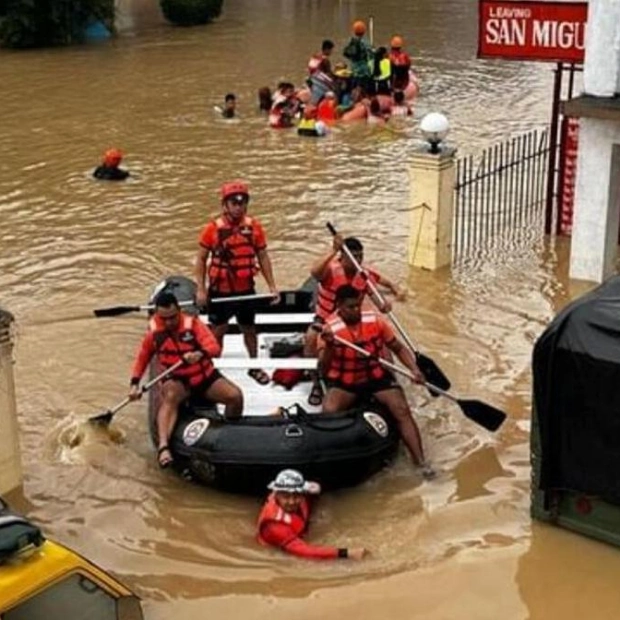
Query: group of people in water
[[232, 249], [376, 85]]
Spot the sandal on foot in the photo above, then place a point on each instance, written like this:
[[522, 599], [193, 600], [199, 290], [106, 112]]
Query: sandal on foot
[[164, 460], [260, 376], [315, 398]]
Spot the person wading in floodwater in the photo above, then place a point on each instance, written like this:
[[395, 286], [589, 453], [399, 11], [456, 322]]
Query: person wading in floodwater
[[285, 515]]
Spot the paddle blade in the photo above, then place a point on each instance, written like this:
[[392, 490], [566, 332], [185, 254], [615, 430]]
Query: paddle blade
[[432, 372], [483, 414], [115, 310], [103, 419]]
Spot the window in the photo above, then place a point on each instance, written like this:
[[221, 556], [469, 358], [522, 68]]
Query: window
[[74, 598]]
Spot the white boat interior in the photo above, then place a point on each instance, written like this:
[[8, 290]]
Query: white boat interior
[[235, 362]]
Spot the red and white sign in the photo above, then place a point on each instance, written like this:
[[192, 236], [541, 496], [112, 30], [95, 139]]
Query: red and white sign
[[568, 173], [548, 31]]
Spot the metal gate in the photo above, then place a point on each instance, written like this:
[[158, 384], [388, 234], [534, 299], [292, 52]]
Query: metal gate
[[500, 196]]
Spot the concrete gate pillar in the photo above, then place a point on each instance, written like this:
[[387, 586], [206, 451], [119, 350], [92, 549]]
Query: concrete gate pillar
[[432, 208]]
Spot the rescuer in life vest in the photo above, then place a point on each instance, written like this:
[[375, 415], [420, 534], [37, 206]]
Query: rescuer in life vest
[[351, 376], [400, 63], [171, 336], [285, 515], [332, 270], [109, 169], [234, 245]]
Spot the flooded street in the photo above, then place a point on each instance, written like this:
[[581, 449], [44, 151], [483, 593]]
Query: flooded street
[[462, 546]]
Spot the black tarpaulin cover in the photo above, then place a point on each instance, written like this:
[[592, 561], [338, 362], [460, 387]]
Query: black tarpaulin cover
[[576, 368]]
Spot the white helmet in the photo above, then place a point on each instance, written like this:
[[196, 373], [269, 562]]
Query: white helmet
[[292, 481]]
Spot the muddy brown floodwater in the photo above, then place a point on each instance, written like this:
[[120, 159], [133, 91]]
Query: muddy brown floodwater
[[461, 547]]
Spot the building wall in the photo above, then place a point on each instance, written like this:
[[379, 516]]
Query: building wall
[[597, 209]]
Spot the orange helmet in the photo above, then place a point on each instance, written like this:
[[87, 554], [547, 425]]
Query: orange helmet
[[234, 187], [112, 158], [359, 27], [397, 42]]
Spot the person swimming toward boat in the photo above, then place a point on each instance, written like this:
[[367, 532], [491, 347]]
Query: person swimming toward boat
[[230, 106], [109, 169]]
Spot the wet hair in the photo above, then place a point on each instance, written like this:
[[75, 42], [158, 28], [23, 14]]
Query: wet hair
[[399, 97], [354, 244], [230, 97], [346, 291], [165, 299], [265, 100], [375, 107], [327, 45]]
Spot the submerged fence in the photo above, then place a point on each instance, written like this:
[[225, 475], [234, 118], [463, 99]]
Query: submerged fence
[[500, 195]]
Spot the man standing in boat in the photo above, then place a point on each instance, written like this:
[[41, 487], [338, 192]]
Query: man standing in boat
[[173, 336], [232, 245], [351, 377], [333, 270], [285, 515]]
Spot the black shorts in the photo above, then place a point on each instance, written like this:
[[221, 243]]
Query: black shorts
[[243, 311], [201, 387], [388, 382]]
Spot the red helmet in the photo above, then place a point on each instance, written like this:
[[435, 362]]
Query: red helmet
[[359, 27], [397, 42], [234, 187], [112, 158]]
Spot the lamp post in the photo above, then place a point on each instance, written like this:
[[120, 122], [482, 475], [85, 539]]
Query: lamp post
[[434, 128]]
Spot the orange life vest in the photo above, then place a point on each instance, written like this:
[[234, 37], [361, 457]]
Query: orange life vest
[[326, 296], [273, 512], [349, 367], [401, 62], [233, 260], [170, 350]]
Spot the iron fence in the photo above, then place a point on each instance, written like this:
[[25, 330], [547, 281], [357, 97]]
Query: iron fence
[[501, 194]]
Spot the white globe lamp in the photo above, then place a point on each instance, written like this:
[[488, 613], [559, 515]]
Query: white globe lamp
[[434, 128]]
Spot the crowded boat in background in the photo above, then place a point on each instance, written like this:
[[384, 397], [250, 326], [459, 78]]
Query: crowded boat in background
[[375, 85]]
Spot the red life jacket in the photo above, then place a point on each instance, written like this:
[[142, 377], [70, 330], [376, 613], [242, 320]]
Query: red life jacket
[[170, 350], [233, 261], [326, 296], [401, 62], [273, 512], [349, 367]]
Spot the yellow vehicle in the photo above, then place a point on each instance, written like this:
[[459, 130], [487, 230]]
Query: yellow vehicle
[[42, 580]]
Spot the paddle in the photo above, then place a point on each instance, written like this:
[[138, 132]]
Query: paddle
[[119, 310], [481, 413], [429, 368], [105, 418]]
